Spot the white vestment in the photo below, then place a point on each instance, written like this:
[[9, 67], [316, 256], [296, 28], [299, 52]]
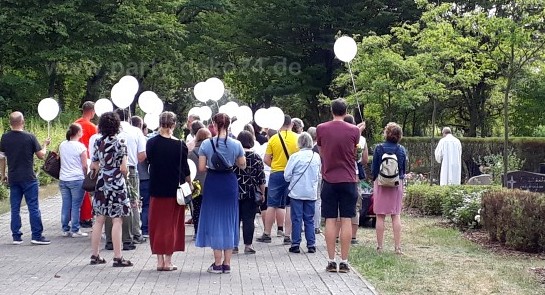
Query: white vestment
[[449, 154]]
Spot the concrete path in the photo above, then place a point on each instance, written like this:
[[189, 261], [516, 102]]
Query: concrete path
[[63, 267]]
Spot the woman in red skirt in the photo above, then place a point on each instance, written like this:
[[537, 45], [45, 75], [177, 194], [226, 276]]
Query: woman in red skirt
[[168, 168]]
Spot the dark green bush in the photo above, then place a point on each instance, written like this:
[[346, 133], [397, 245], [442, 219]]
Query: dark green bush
[[458, 204], [515, 218], [425, 198]]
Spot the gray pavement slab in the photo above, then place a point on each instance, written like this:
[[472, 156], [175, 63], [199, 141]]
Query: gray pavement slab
[[63, 267]]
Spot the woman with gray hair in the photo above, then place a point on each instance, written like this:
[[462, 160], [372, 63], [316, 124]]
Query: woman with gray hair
[[302, 172]]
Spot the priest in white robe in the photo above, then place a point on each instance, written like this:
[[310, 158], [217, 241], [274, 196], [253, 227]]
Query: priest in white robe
[[449, 154]]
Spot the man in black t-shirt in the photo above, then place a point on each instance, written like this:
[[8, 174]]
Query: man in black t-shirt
[[19, 147]]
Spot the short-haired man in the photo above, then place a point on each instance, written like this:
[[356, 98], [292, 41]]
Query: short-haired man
[[449, 153], [89, 129], [136, 152], [279, 148], [337, 142], [19, 147], [190, 119]]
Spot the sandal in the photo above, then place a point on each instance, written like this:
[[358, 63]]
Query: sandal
[[398, 251], [120, 262], [97, 260], [379, 250], [170, 267]]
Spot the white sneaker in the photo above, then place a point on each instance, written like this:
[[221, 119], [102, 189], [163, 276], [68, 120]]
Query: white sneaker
[[279, 233], [79, 234], [66, 234]]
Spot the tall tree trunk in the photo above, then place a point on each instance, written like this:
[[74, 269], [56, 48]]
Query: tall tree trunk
[[93, 89]]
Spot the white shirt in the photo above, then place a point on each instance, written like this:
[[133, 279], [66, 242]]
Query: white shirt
[[135, 140], [449, 154], [70, 153], [362, 144]]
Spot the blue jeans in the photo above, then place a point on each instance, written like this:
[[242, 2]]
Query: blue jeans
[[302, 212], [30, 190], [72, 196], [145, 197]]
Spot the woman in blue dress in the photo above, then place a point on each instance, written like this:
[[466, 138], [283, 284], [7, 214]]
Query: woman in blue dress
[[219, 219]]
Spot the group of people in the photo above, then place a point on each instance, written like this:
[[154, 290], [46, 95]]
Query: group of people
[[291, 177]]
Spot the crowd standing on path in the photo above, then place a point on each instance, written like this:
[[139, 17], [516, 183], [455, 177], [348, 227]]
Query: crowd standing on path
[[289, 176]]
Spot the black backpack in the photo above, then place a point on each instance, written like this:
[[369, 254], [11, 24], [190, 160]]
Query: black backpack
[[218, 161]]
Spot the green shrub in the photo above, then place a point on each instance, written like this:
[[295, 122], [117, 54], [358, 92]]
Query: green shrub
[[493, 164], [4, 192], [425, 198], [515, 218], [458, 204]]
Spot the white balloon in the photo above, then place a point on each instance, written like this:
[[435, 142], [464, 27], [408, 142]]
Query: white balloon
[[152, 120], [345, 48], [260, 118], [275, 118], [102, 106], [192, 169], [216, 88], [148, 102], [159, 106], [205, 113], [237, 127], [244, 114], [194, 111], [223, 109], [48, 109], [232, 108], [130, 84], [120, 96], [201, 92]]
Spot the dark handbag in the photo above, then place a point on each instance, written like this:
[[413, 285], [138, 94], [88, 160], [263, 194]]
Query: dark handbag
[[258, 197], [52, 164], [218, 162], [90, 181]]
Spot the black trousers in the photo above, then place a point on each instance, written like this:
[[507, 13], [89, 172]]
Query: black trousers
[[247, 209], [196, 213]]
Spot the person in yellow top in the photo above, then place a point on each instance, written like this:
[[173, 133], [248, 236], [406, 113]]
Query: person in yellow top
[[279, 148]]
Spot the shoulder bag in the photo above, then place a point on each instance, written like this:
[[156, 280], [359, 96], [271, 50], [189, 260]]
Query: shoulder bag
[[183, 193], [52, 164], [90, 181]]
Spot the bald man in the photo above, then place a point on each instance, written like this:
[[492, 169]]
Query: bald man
[[449, 153], [19, 147]]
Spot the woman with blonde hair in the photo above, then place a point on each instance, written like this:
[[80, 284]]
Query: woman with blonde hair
[[387, 200], [167, 157]]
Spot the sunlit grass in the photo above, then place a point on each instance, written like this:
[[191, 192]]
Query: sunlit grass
[[439, 260]]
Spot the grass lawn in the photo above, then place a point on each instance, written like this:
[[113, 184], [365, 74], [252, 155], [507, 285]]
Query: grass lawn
[[46, 191], [439, 260]]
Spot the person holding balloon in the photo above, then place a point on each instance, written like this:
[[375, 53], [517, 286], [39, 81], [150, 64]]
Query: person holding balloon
[[167, 157], [19, 147], [201, 135]]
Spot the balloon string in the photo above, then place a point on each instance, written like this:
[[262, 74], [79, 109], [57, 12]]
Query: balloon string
[[354, 87], [48, 129]]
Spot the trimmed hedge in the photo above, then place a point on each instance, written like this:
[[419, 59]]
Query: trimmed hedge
[[458, 204], [515, 218], [421, 159], [4, 192]]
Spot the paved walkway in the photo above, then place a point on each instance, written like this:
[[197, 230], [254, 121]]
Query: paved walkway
[[62, 267]]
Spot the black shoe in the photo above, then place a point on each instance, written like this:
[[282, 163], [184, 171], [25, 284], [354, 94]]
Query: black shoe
[[86, 224], [287, 241], [264, 239], [138, 240], [235, 250], [109, 246], [312, 249], [128, 246], [295, 249], [343, 267], [331, 267]]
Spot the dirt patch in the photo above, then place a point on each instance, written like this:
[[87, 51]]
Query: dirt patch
[[539, 272], [481, 237]]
